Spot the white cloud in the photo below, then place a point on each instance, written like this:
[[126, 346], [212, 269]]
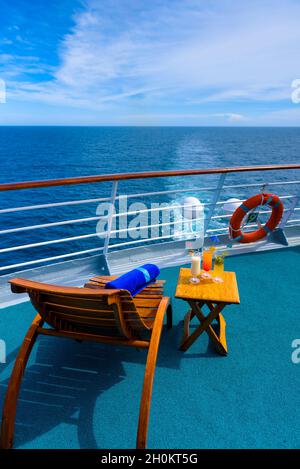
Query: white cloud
[[232, 117], [245, 94], [242, 50], [188, 118], [169, 55]]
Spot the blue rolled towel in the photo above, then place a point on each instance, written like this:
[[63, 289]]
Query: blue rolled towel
[[135, 280]]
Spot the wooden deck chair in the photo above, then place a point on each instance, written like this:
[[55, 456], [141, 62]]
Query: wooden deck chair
[[95, 314]]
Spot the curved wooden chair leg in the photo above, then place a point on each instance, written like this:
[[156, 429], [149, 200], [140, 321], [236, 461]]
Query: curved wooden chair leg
[[149, 375], [11, 398]]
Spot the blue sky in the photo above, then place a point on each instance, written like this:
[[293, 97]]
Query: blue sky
[[164, 62]]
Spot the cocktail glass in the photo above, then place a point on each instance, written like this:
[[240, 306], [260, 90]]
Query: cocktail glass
[[218, 269], [206, 264], [195, 269]]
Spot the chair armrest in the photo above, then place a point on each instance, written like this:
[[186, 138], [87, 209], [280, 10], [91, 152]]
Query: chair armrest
[[21, 285]]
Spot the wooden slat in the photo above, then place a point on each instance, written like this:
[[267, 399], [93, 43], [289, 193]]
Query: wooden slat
[[157, 292], [74, 311], [145, 311], [146, 303], [72, 314], [146, 293], [89, 303], [103, 279], [83, 320]]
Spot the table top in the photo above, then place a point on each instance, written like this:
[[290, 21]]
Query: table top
[[207, 290]]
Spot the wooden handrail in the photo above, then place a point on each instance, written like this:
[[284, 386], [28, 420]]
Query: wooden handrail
[[142, 175]]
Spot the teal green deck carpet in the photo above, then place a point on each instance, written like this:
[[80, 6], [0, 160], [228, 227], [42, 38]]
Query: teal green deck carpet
[[87, 395]]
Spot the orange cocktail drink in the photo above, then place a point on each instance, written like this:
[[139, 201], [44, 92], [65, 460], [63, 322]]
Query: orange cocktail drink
[[207, 263], [207, 260]]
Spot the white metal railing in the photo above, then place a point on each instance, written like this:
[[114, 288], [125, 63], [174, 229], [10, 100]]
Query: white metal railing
[[55, 204], [52, 258], [212, 208]]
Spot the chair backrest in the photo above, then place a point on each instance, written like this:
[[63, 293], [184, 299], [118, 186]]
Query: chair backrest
[[99, 311]]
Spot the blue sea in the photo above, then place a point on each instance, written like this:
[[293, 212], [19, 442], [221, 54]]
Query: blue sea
[[35, 153]]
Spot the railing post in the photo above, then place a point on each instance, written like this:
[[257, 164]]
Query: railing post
[[112, 201], [287, 215], [214, 201]]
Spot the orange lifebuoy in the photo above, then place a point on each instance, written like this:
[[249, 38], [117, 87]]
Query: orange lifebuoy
[[235, 231]]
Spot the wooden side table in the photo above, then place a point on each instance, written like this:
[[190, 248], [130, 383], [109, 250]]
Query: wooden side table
[[215, 296]]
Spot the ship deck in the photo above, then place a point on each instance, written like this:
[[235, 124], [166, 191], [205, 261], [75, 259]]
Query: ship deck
[[83, 395]]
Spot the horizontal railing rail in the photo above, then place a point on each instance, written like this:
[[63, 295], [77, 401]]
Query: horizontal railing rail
[[52, 258]]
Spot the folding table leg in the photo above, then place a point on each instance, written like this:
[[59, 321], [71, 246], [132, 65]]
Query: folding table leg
[[221, 342], [205, 325], [222, 333]]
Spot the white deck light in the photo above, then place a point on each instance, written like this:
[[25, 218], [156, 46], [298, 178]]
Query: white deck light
[[231, 205]]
